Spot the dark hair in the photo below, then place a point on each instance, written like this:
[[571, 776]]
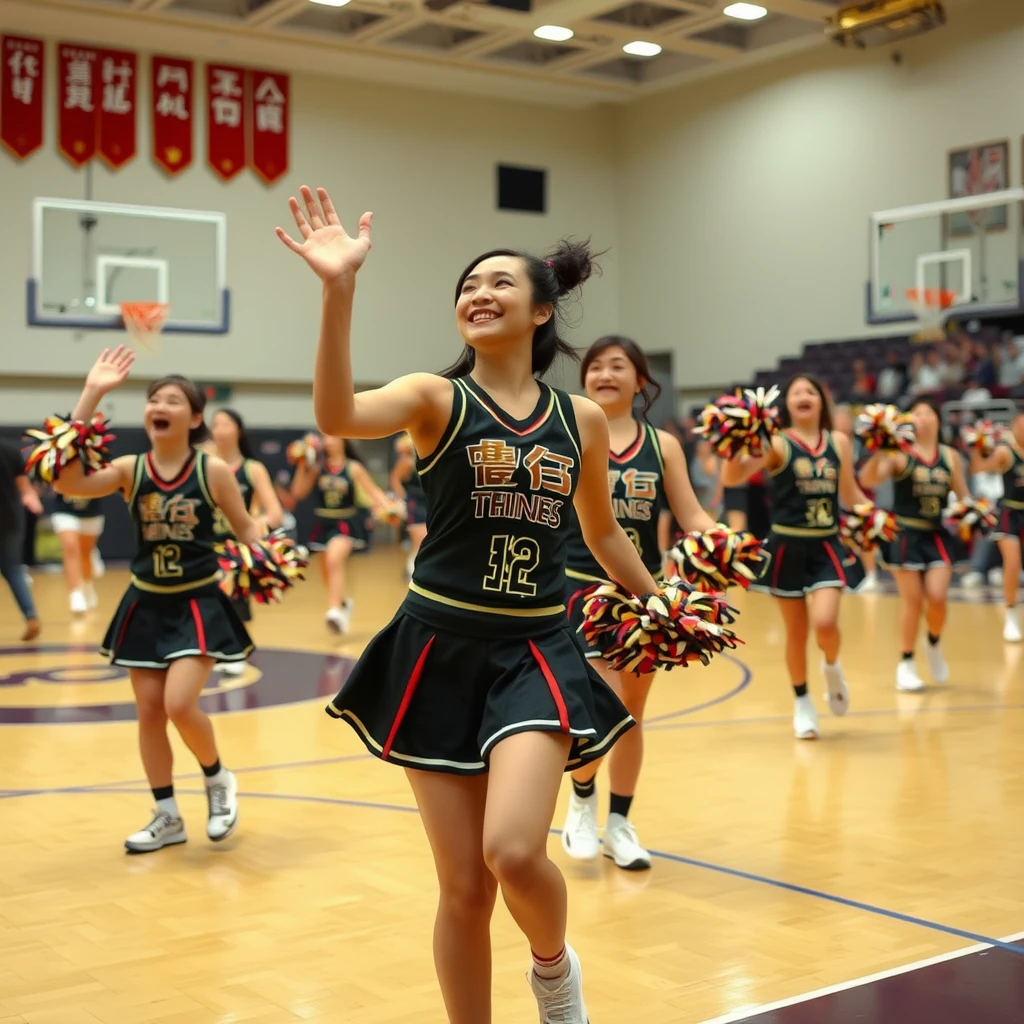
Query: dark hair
[[825, 420], [351, 449], [196, 401], [244, 444], [649, 387], [931, 403], [563, 271]]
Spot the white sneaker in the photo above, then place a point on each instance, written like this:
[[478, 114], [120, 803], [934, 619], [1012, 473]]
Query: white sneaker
[[222, 798], [837, 695], [338, 619], [620, 843], [163, 830], [972, 580], [91, 597], [79, 604], [1011, 627], [870, 584], [805, 719], [230, 668], [995, 577], [579, 834], [99, 567], [907, 678], [937, 667], [561, 1001]]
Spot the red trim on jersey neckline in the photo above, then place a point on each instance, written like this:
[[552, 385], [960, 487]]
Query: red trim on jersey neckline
[[916, 453], [632, 450], [490, 406], [818, 450], [166, 485]]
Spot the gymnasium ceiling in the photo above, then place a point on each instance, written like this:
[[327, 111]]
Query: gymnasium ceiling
[[474, 46]]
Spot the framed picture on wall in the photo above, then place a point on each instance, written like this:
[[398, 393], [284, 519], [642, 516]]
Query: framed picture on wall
[[973, 172]]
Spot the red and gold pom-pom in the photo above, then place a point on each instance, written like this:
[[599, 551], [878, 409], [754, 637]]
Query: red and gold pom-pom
[[262, 570], [884, 428], [866, 526], [719, 559], [983, 436], [308, 450], [674, 627], [741, 424], [392, 512], [969, 516], [62, 441]]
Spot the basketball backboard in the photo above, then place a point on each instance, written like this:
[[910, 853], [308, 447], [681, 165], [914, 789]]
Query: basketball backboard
[[973, 246], [89, 257]]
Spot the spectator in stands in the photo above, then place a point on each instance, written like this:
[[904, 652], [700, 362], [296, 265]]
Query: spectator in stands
[[975, 394], [1011, 365], [864, 384], [984, 372], [954, 371], [16, 495], [929, 374], [892, 380]]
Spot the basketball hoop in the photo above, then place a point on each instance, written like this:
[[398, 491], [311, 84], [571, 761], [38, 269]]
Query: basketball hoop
[[144, 321], [930, 305]]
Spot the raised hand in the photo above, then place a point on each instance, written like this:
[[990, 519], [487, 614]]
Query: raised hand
[[326, 246], [110, 369]]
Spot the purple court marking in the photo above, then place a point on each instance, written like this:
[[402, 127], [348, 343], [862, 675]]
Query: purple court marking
[[734, 692]]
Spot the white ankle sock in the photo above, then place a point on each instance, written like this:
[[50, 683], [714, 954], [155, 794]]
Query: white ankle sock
[[551, 970], [168, 806], [220, 779]]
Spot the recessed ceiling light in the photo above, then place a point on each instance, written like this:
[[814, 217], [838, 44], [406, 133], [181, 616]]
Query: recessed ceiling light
[[553, 33], [639, 48], [745, 12], [330, 3]]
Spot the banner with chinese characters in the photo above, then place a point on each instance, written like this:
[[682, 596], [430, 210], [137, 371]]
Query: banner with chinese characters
[[171, 90], [225, 120], [116, 142], [78, 85], [269, 98], [21, 106]]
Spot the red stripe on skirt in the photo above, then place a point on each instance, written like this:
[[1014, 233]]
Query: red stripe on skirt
[[410, 689], [124, 625], [778, 566], [836, 563], [556, 693], [200, 632], [942, 550]]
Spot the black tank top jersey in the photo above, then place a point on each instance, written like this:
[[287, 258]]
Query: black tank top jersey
[[635, 478], [499, 491], [221, 526], [920, 491], [174, 534], [413, 485], [82, 508], [805, 489], [1013, 481], [335, 493]]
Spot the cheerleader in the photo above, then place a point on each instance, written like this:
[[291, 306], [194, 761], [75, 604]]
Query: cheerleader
[[229, 440], [647, 473], [174, 620], [1008, 459], [339, 526], [477, 687], [919, 557], [17, 496], [78, 523], [406, 483], [810, 471]]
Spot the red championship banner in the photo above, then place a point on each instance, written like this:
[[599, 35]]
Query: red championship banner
[[171, 90], [118, 71], [21, 105], [78, 87], [269, 97], [225, 120]]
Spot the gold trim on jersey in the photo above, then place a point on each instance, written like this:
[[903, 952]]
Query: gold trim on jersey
[[565, 423], [656, 444], [459, 389], [335, 513], [176, 588], [532, 613], [140, 468], [1010, 503], [201, 477], [803, 531], [916, 524], [787, 459], [573, 574]]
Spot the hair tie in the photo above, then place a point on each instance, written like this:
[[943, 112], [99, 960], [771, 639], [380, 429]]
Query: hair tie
[[550, 263]]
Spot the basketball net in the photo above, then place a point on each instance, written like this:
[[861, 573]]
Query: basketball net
[[931, 307], [144, 321]]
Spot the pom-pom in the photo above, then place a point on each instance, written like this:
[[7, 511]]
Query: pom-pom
[[719, 558], [392, 511], [982, 436], [866, 526], [741, 424], [676, 626], [884, 428], [968, 516], [262, 570], [62, 441], [307, 450]]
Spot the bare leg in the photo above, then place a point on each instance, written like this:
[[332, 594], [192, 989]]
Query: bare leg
[[794, 615], [72, 559], [911, 591], [452, 812], [334, 559], [154, 746], [1010, 550], [936, 590], [85, 546], [185, 681], [824, 618]]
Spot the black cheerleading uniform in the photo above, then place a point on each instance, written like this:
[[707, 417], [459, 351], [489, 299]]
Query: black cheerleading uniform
[[919, 499], [415, 499], [481, 648], [1011, 505], [635, 478], [222, 528], [80, 508], [174, 607], [336, 513], [806, 553]]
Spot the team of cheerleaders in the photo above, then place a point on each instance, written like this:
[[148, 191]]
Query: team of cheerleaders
[[512, 659]]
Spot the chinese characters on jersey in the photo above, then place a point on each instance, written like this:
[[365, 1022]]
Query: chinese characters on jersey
[[495, 494]]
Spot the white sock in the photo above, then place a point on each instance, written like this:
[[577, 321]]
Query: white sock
[[220, 779], [169, 805], [551, 970]]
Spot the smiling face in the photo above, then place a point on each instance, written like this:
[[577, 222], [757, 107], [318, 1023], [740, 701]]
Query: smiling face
[[804, 403], [611, 379], [224, 431], [168, 416], [926, 423], [495, 304]]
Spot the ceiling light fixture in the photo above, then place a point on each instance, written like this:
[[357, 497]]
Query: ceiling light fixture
[[639, 48], [745, 12], [330, 3], [553, 33]]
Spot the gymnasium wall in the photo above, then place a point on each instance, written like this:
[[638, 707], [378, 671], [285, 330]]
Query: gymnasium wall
[[744, 202], [425, 163]]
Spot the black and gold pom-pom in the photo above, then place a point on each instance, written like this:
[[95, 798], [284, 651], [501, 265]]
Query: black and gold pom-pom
[[741, 424], [63, 441], [262, 570], [866, 526], [884, 428], [969, 516], [719, 558]]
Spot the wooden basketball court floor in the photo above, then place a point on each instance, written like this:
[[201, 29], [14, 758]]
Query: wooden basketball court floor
[[780, 867]]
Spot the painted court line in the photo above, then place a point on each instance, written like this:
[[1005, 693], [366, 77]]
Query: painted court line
[[745, 1013]]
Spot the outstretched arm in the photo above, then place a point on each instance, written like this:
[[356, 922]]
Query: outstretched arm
[[365, 481], [738, 471], [998, 462], [850, 493], [266, 496], [678, 489], [225, 492], [882, 465], [958, 481]]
